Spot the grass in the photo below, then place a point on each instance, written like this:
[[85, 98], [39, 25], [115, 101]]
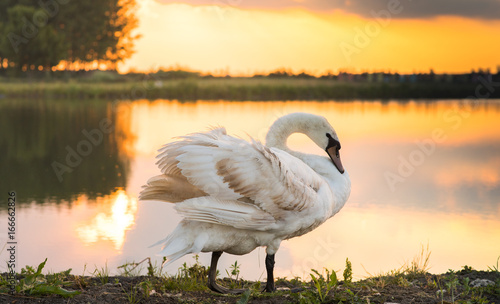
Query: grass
[[102, 273], [417, 267], [244, 89], [494, 268], [324, 287], [133, 269]]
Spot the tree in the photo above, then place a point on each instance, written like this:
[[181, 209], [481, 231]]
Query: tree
[[80, 33], [28, 45], [98, 31]]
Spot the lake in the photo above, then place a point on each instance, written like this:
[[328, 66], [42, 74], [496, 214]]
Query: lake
[[423, 174]]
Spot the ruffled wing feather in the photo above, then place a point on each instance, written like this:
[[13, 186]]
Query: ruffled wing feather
[[230, 170]]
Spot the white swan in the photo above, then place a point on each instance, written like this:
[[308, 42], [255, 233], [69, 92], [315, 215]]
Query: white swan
[[236, 195]]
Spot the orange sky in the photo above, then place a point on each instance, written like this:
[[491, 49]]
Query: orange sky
[[240, 40]]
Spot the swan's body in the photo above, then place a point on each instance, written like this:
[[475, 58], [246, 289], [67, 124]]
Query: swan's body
[[236, 195]]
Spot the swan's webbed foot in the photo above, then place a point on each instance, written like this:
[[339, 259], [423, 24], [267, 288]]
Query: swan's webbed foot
[[269, 287], [217, 288], [212, 284]]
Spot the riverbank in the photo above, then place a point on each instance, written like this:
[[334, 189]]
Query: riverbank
[[406, 285], [240, 89]]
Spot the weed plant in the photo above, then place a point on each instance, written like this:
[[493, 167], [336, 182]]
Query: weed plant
[[324, 287], [495, 268], [33, 283]]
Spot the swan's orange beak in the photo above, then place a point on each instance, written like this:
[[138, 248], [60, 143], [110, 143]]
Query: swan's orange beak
[[334, 154]]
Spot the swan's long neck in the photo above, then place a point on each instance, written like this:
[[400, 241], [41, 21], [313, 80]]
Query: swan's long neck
[[282, 129], [306, 124]]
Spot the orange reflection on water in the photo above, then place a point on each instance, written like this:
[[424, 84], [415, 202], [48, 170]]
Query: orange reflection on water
[[486, 174], [460, 122], [152, 124], [379, 239], [116, 217], [123, 134]]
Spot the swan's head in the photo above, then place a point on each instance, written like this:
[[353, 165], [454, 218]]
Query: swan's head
[[316, 127]]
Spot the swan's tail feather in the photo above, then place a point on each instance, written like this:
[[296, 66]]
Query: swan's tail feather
[[169, 188], [162, 241], [174, 248], [179, 243], [174, 257]]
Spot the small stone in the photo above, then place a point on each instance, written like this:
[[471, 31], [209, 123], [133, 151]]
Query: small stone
[[481, 283], [283, 289]]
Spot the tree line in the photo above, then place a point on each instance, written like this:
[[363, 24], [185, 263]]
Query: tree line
[[41, 34]]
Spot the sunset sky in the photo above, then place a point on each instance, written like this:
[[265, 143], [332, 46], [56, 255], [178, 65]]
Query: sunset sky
[[243, 37]]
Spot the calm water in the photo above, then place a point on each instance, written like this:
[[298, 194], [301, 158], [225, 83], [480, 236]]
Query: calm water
[[422, 173]]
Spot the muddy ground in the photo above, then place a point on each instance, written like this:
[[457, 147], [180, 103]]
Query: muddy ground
[[452, 287]]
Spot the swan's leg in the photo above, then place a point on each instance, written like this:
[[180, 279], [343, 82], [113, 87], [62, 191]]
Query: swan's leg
[[270, 273], [212, 274]]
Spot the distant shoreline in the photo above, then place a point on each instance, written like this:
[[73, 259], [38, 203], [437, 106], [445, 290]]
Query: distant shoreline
[[239, 89]]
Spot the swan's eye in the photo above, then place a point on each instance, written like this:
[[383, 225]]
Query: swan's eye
[[332, 142]]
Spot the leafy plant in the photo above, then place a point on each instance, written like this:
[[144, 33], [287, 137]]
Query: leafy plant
[[235, 269], [188, 278], [323, 286], [452, 286], [467, 269], [440, 292], [347, 272], [466, 285], [35, 283], [495, 268], [196, 271], [234, 273], [244, 297]]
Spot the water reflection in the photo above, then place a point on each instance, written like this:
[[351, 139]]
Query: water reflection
[[381, 238], [111, 223], [56, 150], [446, 192]]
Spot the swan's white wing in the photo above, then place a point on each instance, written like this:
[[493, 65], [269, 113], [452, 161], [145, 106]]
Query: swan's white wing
[[225, 212], [169, 188], [193, 159], [275, 180], [229, 168]]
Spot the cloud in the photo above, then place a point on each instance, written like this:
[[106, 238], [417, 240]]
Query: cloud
[[485, 9], [482, 9]]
